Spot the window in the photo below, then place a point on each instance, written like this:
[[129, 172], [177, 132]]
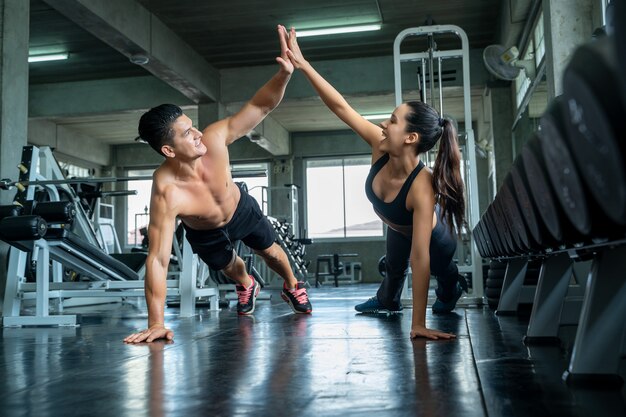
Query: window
[[138, 206], [534, 52], [522, 84], [336, 203], [74, 171], [540, 47]]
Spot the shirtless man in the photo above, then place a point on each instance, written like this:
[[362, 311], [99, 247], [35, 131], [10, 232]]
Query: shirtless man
[[195, 185]]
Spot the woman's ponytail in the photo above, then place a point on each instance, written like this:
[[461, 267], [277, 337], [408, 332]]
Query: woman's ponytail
[[447, 181]]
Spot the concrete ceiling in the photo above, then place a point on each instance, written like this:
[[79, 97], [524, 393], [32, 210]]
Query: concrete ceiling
[[228, 37]]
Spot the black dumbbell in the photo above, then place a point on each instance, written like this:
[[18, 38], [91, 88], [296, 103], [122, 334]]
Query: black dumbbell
[[594, 115]]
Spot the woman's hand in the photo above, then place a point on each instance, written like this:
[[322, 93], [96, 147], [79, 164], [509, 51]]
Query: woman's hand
[[156, 331], [294, 52], [422, 331]]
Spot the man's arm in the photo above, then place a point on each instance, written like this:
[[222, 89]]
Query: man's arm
[[160, 235], [259, 106], [254, 111]]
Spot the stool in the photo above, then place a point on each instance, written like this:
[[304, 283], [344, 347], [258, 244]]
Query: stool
[[334, 268], [321, 260]]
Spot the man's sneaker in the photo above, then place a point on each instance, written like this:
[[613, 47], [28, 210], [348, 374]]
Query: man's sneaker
[[297, 298], [373, 306], [441, 307], [247, 297]]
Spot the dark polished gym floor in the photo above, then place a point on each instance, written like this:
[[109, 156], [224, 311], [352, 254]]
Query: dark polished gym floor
[[332, 363]]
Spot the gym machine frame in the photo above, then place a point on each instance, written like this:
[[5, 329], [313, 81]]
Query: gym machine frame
[[39, 168], [470, 155]]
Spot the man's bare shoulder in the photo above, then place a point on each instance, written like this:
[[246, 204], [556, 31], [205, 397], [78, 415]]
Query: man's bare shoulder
[[216, 131], [163, 185]]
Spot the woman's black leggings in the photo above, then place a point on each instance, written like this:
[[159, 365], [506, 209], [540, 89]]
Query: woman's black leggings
[[442, 248]]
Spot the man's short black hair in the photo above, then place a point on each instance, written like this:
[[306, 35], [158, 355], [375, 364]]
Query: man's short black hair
[[155, 125]]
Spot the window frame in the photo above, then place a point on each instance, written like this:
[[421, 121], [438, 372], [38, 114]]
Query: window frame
[[344, 238], [260, 165], [523, 84]]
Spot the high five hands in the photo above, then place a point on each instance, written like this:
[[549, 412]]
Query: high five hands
[[289, 44]]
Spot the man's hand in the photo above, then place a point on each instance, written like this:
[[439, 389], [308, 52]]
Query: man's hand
[[421, 331], [156, 331], [283, 59]]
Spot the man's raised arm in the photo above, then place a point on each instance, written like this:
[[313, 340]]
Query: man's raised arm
[[264, 100]]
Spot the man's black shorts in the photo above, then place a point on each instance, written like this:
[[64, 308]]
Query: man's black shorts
[[216, 247]]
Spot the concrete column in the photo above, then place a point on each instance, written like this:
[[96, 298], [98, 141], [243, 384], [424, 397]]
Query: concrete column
[[14, 23], [567, 24], [502, 120], [14, 29]]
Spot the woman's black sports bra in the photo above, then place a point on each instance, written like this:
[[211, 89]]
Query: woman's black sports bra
[[394, 211]]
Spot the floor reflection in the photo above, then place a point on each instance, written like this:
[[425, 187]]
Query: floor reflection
[[331, 363]]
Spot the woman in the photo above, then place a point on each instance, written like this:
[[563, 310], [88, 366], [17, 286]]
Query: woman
[[421, 208]]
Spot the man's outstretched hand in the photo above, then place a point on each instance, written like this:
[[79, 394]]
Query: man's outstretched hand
[[155, 332], [283, 59]]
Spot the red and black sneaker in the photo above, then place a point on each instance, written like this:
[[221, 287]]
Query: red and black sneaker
[[247, 297], [297, 298]]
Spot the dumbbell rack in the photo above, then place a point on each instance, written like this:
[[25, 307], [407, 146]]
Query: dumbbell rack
[[294, 248], [563, 205]]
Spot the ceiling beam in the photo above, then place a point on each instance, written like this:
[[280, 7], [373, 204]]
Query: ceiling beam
[[272, 137], [131, 29], [86, 98], [68, 141]]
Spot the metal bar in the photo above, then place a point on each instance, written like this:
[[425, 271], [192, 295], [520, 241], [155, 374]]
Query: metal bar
[[423, 80], [597, 348], [15, 272], [82, 226], [552, 286], [431, 69], [6, 183], [188, 281], [137, 292], [64, 320], [573, 253], [90, 180], [511, 287], [119, 193], [43, 281], [415, 56], [440, 87], [63, 253]]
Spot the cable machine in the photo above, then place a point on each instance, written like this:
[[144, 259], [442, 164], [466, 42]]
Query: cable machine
[[427, 61]]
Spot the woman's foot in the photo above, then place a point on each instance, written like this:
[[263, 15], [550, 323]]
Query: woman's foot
[[373, 306]]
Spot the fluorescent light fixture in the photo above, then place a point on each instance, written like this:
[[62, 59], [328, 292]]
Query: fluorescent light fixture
[[48, 57], [337, 29], [379, 116]]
